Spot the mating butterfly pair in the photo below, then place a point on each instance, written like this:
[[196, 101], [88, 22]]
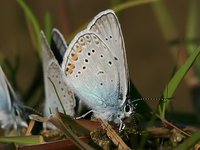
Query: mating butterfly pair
[[93, 69]]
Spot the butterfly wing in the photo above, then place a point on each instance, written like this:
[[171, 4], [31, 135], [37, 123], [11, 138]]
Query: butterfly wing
[[92, 72], [5, 107], [11, 109], [107, 27], [56, 77], [55, 86], [58, 45]]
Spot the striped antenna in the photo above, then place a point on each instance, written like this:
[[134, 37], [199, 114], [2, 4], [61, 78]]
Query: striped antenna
[[149, 98]]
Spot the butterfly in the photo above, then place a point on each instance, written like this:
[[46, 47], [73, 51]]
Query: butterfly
[[96, 70], [58, 95], [12, 112]]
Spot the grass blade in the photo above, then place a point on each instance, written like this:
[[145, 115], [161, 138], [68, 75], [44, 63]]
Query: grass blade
[[74, 125], [56, 120], [192, 26], [132, 3], [23, 140], [175, 81], [192, 31], [165, 21], [190, 142], [34, 23], [48, 27]]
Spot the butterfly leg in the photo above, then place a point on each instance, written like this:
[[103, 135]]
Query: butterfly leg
[[83, 116], [121, 126]]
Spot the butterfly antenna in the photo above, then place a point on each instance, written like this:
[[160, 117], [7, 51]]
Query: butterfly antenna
[[152, 99]]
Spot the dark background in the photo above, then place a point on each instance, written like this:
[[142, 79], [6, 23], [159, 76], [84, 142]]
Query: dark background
[[149, 59]]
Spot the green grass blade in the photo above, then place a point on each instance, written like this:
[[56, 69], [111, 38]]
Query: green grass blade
[[192, 26], [192, 31], [23, 140], [76, 127], [175, 81], [56, 120], [115, 2], [170, 34], [32, 19], [48, 27], [165, 21], [190, 142], [132, 3]]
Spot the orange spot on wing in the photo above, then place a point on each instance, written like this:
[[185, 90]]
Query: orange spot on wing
[[74, 57], [70, 68], [70, 71], [79, 49]]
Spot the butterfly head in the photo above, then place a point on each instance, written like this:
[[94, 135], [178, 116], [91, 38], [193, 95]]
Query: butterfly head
[[118, 115]]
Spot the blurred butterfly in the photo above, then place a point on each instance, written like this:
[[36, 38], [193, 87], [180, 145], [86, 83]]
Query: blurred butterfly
[[12, 112], [95, 68], [57, 94]]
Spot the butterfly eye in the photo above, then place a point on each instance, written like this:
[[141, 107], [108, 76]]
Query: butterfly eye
[[127, 110]]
